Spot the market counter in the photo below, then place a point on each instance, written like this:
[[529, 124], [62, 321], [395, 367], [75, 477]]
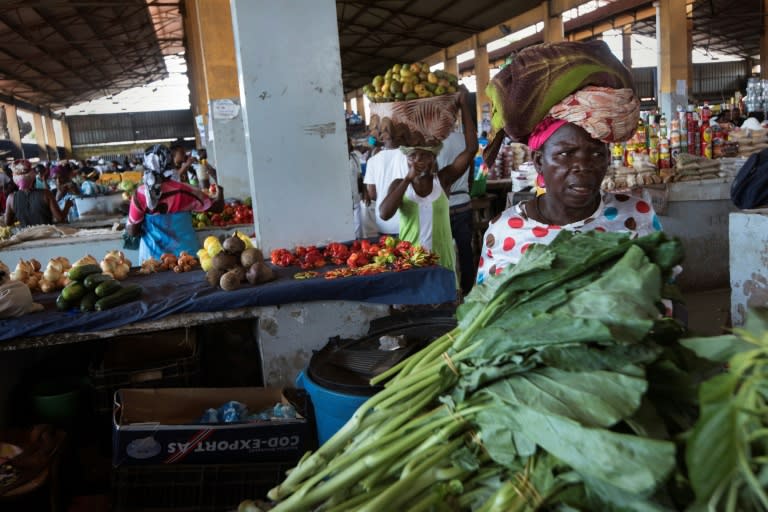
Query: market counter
[[293, 317], [697, 212], [94, 237]]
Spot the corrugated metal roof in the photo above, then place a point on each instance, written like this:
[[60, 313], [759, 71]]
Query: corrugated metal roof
[[137, 126], [56, 53]]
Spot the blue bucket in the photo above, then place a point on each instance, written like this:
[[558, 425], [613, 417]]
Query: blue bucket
[[332, 409]]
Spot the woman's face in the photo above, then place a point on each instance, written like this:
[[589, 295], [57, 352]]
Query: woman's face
[[573, 165], [423, 162]]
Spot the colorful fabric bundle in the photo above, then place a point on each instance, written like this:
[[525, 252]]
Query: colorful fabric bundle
[[554, 79]]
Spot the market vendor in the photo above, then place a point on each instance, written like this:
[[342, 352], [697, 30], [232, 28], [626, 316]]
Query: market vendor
[[159, 210], [65, 189], [29, 205], [567, 101], [422, 196]]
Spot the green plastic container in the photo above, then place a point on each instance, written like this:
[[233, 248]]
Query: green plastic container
[[58, 401]]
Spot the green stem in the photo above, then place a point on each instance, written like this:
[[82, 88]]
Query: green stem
[[423, 476], [396, 446]]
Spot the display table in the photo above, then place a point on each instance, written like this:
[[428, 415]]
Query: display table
[[697, 213], [292, 317]]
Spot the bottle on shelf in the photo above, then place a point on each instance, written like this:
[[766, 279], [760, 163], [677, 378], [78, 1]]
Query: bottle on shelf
[[706, 140], [674, 141], [683, 123], [664, 156], [706, 113]]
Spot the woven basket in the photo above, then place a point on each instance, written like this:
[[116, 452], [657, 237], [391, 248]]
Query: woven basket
[[421, 122]]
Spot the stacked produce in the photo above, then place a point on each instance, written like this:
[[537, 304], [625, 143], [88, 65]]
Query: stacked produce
[[410, 82], [361, 257], [552, 393], [234, 213], [89, 289], [233, 263], [51, 279], [184, 262], [116, 265]]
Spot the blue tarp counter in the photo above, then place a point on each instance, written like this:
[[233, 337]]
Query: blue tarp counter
[[167, 294]]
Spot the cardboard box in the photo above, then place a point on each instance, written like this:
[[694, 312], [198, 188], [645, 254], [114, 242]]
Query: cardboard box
[[160, 426]]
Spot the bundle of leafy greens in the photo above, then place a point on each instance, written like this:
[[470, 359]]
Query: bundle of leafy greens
[[549, 395], [727, 450]]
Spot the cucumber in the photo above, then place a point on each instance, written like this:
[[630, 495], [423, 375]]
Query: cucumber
[[88, 302], [129, 293], [107, 288], [63, 304], [73, 292], [91, 281], [81, 272]]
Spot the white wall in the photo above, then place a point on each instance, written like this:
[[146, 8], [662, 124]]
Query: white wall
[[291, 93], [749, 263]]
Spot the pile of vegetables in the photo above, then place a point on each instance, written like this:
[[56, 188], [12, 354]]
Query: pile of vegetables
[[553, 393], [51, 279], [727, 450], [233, 262], [116, 265], [91, 290], [361, 257], [184, 262], [234, 213]]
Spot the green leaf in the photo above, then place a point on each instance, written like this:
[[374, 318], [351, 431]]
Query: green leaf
[[511, 334], [596, 398], [713, 446], [717, 348], [624, 298], [607, 498], [588, 357], [629, 463]]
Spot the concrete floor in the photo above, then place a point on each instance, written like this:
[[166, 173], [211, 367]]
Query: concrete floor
[[709, 312]]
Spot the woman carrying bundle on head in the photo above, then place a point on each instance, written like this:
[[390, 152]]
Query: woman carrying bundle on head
[[567, 101]]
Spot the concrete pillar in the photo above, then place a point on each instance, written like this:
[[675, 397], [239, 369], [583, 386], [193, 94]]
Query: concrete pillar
[[50, 135], [764, 44], [451, 64], [482, 77], [360, 106], [626, 46], [12, 119], [673, 77], [689, 48], [40, 135], [226, 134], [553, 25], [294, 124], [67, 142]]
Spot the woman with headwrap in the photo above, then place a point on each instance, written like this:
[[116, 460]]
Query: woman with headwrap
[[66, 189], [422, 196], [30, 206], [566, 101], [159, 210]]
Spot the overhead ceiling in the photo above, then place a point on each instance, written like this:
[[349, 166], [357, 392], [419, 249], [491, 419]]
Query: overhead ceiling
[[56, 53], [373, 35], [722, 26]]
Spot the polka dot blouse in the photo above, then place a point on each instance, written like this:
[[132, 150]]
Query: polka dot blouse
[[510, 235]]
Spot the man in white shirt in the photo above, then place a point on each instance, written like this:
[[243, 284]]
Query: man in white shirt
[[460, 205], [380, 171]]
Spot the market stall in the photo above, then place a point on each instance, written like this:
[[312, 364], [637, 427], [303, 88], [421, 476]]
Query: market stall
[[171, 299]]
